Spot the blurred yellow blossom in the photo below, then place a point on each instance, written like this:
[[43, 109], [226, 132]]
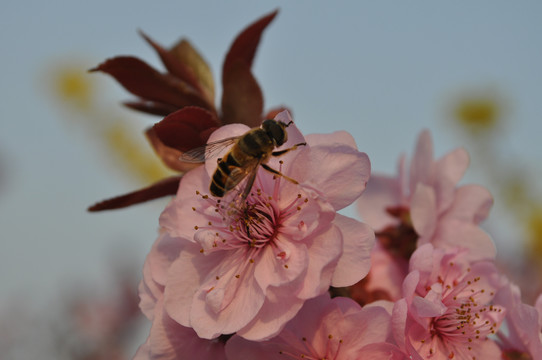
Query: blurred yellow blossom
[[478, 112], [534, 229], [136, 159], [75, 91], [73, 86]]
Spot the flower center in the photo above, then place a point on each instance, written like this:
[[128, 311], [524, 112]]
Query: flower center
[[257, 221], [250, 224], [399, 240], [468, 319]]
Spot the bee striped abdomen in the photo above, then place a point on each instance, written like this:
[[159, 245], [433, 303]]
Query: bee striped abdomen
[[222, 173]]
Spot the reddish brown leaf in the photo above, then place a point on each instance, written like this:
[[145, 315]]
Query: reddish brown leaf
[[246, 43], [168, 155], [157, 190], [242, 99], [187, 54], [151, 107], [144, 81], [175, 66], [182, 130]]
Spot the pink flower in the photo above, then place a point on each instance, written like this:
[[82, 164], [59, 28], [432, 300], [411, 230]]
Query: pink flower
[[521, 338], [424, 205], [325, 328], [251, 271], [446, 311]]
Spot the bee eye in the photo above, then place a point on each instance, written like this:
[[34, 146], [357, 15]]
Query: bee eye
[[279, 134]]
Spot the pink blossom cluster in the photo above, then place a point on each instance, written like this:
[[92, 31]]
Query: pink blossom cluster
[[289, 277]]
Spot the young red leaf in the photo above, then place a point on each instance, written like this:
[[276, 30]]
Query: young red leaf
[[151, 107], [245, 45], [242, 99], [144, 81], [182, 129], [176, 66], [168, 155], [157, 190], [187, 54]]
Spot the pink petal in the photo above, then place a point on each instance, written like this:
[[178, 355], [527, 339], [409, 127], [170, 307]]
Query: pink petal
[[487, 350], [337, 137], [338, 172], [324, 252], [242, 308], [381, 193], [149, 292], [171, 341], [367, 326], [448, 171], [179, 218], [279, 307], [422, 161], [521, 321], [428, 306], [471, 204], [422, 259], [423, 211], [457, 234], [538, 306], [355, 261], [398, 322], [410, 284], [164, 251], [273, 269], [184, 279]]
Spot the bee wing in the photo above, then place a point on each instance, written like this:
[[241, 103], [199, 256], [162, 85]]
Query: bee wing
[[250, 170], [200, 154]]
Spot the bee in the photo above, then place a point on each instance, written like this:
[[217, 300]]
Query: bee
[[249, 151]]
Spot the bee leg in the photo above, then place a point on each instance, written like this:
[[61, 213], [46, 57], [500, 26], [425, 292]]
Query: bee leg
[[282, 152], [218, 160], [278, 173]]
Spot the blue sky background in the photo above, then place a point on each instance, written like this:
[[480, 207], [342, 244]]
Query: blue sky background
[[380, 70]]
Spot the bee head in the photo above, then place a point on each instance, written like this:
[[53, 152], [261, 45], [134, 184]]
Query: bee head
[[276, 131]]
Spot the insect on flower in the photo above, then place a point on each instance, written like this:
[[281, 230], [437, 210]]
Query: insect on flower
[[249, 151]]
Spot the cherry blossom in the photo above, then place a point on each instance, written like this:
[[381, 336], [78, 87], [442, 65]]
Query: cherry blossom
[[423, 205], [325, 328], [446, 312], [250, 271]]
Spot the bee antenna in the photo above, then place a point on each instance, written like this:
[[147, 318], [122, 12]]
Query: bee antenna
[[290, 123]]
